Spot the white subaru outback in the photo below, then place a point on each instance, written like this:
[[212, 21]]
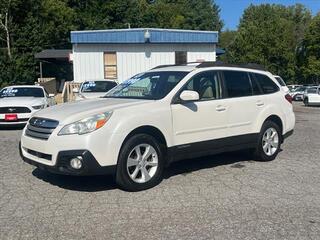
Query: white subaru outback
[[166, 114]]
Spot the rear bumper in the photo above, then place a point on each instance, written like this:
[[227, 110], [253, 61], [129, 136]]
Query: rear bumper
[[89, 164]]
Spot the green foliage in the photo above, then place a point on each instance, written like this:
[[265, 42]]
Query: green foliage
[[270, 35], [41, 24], [311, 51]]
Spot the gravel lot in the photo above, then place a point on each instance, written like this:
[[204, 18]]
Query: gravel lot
[[218, 197]]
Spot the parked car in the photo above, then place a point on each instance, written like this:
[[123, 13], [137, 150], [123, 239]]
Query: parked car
[[94, 89], [293, 87], [297, 94], [160, 116], [312, 96], [19, 103], [282, 83]]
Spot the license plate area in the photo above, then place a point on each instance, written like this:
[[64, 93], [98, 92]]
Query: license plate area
[[10, 117]]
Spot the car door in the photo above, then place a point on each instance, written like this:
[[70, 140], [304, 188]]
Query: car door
[[314, 97], [202, 120], [244, 101]]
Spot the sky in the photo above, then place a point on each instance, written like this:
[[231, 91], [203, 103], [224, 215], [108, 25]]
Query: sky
[[231, 10]]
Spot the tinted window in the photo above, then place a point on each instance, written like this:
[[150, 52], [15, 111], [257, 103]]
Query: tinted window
[[22, 92], [150, 85], [280, 81], [237, 84], [97, 86], [256, 90], [266, 84], [206, 84]]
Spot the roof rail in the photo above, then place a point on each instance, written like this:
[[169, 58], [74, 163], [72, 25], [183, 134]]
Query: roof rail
[[172, 65], [222, 64]]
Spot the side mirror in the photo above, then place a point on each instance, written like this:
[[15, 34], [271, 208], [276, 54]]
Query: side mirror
[[188, 96], [51, 95], [75, 90]]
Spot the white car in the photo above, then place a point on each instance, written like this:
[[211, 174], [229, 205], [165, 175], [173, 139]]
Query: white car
[[312, 96], [160, 116], [19, 103], [282, 83], [93, 89]]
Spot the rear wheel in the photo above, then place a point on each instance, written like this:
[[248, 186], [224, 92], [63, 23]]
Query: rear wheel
[[140, 163], [269, 142]]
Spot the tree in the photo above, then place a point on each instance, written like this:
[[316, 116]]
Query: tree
[[269, 35], [311, 46]]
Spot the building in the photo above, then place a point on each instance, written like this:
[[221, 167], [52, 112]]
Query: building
[[120, 54]]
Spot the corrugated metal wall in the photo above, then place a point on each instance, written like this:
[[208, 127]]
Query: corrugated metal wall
[[132, 58]]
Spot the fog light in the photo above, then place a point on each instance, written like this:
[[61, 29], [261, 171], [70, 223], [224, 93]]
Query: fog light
[[76, 163]]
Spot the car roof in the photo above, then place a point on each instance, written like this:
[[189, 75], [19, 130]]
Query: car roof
[[23, 86], [189, 67]]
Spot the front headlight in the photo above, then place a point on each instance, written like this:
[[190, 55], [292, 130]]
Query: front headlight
[[37, 107], [86, 125]]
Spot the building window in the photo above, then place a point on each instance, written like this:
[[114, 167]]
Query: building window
[[110, 65], [181, 57]]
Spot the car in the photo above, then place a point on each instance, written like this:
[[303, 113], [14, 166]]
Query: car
[[297, 94], [93, 89], [158, 117], [19, 103], [293, 87], [282, 83], [312, 96]]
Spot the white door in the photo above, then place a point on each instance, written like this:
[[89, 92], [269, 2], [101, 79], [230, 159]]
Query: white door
[[314, 98], [243, 100], [201, 120]]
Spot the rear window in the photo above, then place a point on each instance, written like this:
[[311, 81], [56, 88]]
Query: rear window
[[266, 84], [237, 84], [280, 81], [97, 86]]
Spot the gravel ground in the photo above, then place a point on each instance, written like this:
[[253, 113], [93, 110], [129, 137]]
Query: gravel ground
[[226, 196]]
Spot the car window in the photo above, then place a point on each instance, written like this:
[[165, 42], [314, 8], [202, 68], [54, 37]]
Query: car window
[[237, 84], [280, 81], [312, 90], [206, 84], [21, 92], [149, 85], [97, 86], [266, 84], [256, 90]]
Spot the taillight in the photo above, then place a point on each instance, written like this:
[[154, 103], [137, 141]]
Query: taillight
[[288, 97]]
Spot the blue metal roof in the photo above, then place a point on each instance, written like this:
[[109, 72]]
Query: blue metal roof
[[138, 36]]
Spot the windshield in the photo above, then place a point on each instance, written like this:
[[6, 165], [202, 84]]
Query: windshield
[[22, 92], [97, 86], [150, 85], [280, 81]]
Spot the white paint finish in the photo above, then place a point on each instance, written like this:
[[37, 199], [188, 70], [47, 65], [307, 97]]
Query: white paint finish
[[133, 58]]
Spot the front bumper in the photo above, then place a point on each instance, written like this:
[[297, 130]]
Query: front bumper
[[90, 166]]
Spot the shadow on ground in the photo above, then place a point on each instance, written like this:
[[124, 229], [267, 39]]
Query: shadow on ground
[[103, 183]]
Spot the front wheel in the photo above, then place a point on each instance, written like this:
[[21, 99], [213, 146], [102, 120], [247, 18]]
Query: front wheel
[[140, 163], [269, 142]]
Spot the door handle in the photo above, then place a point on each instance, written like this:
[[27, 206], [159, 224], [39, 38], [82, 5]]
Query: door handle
[[259, 103], [221, 108]]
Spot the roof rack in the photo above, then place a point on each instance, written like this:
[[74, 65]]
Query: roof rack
[[222, 64], [172, 65]]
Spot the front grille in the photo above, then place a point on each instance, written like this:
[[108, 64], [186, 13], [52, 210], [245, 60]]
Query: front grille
[[39, 154], [15, 121], [41, 128], [4, 110]]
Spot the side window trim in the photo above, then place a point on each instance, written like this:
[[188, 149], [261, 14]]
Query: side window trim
[[175, 99]]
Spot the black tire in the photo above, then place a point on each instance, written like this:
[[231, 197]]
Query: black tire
[[306, 102], [259, 153], [122, 176]]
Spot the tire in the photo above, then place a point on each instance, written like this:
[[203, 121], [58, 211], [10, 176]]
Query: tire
[[268, 153], [306, 102], [131, 172]]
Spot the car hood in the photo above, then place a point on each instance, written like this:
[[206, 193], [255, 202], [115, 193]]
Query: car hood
[[74, 111], [21, 101], [93, 95]]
